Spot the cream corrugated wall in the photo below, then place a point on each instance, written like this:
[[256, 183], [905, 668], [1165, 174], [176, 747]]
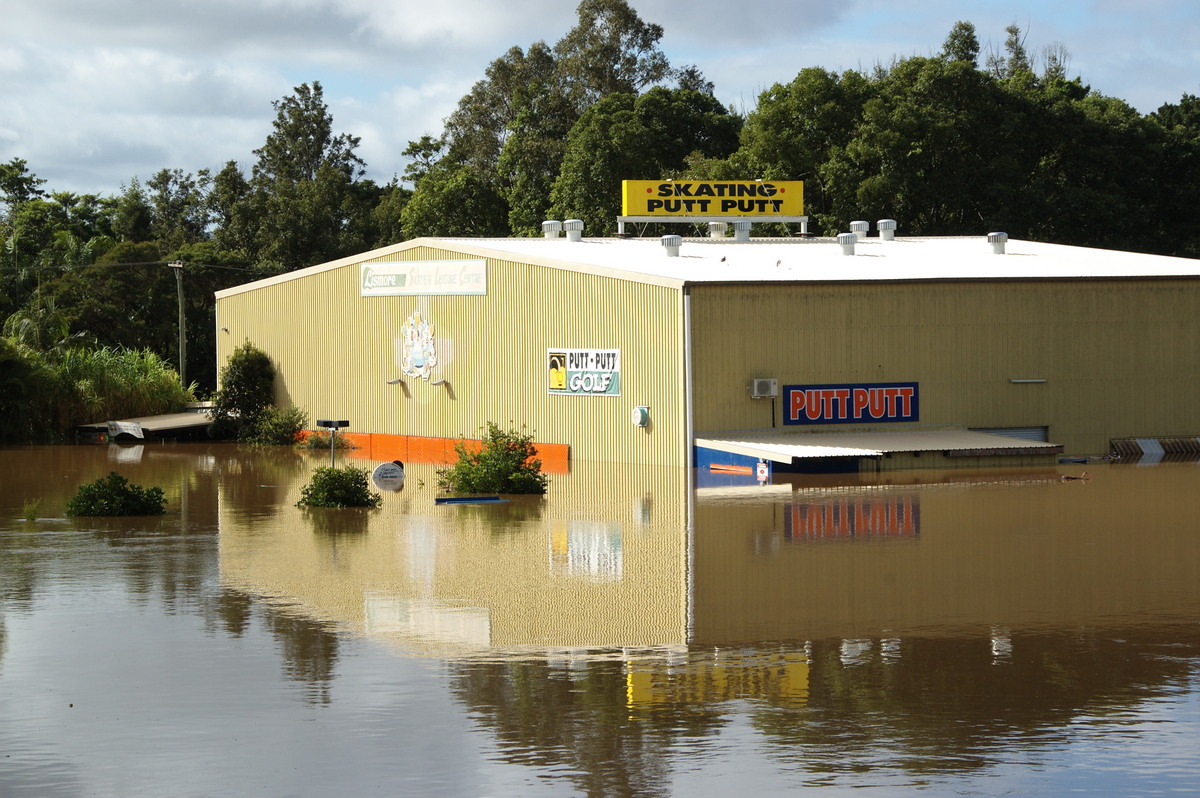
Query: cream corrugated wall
[[1119, 357], [334, 351]]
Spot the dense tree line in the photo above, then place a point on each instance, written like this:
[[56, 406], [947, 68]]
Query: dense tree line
[[942, 143]]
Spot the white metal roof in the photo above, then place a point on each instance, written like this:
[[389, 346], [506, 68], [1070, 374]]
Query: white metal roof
[[703, 260], [706, 260], [161, 423], [782, 447]]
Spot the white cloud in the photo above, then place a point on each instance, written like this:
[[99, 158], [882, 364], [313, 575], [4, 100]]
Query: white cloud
[[97, 93]]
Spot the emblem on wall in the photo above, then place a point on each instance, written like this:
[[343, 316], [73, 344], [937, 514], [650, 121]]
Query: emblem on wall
[[419, 355]]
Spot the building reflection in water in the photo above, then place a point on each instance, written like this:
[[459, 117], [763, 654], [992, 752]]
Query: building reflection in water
[[918, 619]]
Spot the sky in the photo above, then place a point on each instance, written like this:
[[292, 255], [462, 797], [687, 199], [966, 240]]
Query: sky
[[96, 94]]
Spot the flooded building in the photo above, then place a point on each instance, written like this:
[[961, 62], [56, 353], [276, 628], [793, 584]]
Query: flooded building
[[868, 352]]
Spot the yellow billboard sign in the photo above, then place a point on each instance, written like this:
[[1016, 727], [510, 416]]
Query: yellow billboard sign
[[716, 198]]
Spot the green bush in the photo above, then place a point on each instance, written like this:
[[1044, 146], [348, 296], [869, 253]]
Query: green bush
[[277, 427], [247, 390], [113, 495], [506, 462], [339, 487]]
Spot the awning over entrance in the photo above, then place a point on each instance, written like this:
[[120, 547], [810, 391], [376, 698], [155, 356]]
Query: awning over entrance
[[782, 447]]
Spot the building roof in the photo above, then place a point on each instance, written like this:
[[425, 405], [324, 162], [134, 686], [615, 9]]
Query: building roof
[[782, 447], [769, 260]]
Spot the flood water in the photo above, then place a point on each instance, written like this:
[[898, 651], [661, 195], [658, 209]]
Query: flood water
[[916, 633]]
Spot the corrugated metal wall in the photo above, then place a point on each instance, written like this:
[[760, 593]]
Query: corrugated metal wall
[[334, 351], [1119, 357]]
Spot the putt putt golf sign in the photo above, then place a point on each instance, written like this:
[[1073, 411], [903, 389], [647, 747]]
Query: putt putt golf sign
[[867, 403]]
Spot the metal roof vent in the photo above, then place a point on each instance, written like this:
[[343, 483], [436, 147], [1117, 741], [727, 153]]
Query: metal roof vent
[[847, 241], [998, 240], [574, 228], [717, 229], [671, 244], [552, 228], [741, 231], [860, 229], [887, 229]]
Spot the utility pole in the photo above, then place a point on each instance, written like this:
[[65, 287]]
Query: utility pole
[[178, 267]]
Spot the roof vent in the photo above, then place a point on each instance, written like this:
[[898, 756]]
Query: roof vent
[[552, 228], [574, 228], [847, 241], [998, 240], [717, 229], [887, 229], [860, 229], [741, 231], [671, 244]]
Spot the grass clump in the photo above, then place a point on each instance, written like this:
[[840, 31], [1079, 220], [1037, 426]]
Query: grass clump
[[114, 495], [339, 487], [506, 461]]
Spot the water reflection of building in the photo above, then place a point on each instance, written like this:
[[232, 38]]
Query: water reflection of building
[[600, 563], [611, 563], [623, 612]]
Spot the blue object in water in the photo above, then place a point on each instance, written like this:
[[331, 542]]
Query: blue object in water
[[468, 499]]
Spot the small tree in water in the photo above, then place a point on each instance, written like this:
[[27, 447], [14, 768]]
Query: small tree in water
[[114, 495], [506, 462], [244, 408], [339, 487]]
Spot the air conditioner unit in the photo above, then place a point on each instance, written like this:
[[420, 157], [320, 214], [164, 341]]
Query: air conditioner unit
[[764, 389]]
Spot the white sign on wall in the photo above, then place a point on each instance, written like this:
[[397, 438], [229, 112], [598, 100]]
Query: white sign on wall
[[584, 372], [423, 277]]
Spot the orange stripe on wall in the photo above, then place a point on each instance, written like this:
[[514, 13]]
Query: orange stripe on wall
[[555, 457]]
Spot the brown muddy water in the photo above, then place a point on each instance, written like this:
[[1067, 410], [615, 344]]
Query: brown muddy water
[[916, 633]]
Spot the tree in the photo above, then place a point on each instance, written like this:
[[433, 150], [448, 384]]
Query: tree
[[512, 126], [179, 208], [1179, 179], [691, 78], [127, 299], [505, 461], [339, 487], [133, 217], [247, 390], [962, 44], [1015, 62], [455, 200], [18, 184], [301, 205], [25, 385], [931, 149], [302, 141], [609, 51], [628, 137], [387, 215], [797, 128], [114, 495], [232, 212], [425, 153]]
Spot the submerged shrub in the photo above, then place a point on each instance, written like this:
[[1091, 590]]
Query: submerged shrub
[[317, 439], [339, 487], [114, 495], [276, 427], [505, 462]]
